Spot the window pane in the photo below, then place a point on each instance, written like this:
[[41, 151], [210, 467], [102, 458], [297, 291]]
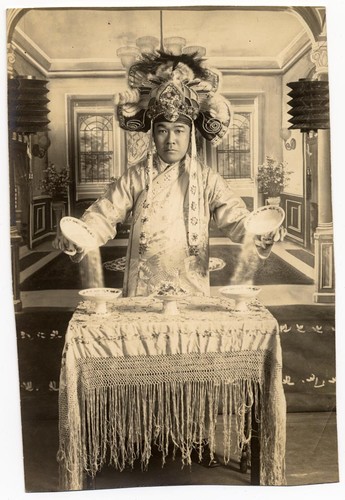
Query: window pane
[[234, 152], [95, 147]]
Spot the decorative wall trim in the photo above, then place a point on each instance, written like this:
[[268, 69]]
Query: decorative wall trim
[[294, 216], [325, 275], [40, 219], [327, 271]]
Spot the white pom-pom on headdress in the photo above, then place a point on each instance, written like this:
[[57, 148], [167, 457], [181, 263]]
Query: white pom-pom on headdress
[[217, 106], [129, 110], [127, 97]]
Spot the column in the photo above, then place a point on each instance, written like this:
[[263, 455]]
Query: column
[[16, 238], [324, 247]]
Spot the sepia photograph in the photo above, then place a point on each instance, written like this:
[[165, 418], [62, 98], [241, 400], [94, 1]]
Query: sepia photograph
[[172, 247]]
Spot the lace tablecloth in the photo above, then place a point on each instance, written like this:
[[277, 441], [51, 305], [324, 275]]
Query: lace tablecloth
[[136, 376]]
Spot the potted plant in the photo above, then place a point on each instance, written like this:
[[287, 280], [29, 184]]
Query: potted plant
[[272, 178], [56, 182]]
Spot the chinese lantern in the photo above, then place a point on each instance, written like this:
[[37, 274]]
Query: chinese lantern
[[27, 105], [309, 105]]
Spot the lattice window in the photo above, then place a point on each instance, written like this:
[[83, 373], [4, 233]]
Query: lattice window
[[95, 147], [234, 153]]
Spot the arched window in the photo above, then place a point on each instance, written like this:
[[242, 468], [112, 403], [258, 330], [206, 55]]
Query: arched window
[[95, 145], [234, 153]]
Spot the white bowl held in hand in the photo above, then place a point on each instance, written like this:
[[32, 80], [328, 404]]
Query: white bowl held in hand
[[241, 294], [265, 220], [79, 233]]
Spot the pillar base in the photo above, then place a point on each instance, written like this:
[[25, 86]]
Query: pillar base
[[15, 243], [324, 269]]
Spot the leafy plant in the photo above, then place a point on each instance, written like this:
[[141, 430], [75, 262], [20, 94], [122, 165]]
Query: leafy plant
[[56, 182], [272, 177]]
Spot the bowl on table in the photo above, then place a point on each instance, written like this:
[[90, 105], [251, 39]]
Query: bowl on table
[[100, 297], [170, 294], [241, 294], [170, 303]]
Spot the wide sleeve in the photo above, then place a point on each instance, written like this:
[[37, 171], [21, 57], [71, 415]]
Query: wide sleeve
[[228, 210], [111, 208]]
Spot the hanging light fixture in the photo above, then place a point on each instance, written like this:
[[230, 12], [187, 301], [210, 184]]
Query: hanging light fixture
[[147, 44], [40, 148], [285, 134], [174, 44], [309, 105], [195, 49], [128, 55]]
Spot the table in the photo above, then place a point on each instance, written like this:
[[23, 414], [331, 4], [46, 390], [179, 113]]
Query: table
[[136, 376]]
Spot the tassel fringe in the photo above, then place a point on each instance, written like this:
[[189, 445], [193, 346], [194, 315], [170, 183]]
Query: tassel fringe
[[119, 425]]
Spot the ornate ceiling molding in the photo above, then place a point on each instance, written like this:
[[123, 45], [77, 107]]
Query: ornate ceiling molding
[[30, 51], [312, 19], [13, 16]]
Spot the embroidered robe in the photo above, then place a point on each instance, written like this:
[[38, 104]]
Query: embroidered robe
[[167, 257]]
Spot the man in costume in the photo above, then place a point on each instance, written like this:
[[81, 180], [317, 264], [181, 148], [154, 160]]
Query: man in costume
[[171, 194]]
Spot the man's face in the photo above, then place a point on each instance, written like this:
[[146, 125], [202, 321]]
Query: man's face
[[172, 140]]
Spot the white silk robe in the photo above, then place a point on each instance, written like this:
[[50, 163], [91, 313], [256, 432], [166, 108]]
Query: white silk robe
[[167, 257]]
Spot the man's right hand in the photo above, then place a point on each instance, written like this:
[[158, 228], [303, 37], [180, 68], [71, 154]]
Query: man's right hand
[[62, 243]]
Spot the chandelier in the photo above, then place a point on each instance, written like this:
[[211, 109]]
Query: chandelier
[[175, 45]]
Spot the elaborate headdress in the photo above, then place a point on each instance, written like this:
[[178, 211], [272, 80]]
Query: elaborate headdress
[[167, 87], [171, 86]]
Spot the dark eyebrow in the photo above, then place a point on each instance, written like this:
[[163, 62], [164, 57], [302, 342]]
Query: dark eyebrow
[[176, 126]]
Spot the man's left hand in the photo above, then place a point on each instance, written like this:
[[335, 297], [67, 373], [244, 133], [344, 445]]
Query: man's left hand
[[264, 242]]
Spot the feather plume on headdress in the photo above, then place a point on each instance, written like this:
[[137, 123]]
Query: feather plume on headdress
[[159, 66]]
